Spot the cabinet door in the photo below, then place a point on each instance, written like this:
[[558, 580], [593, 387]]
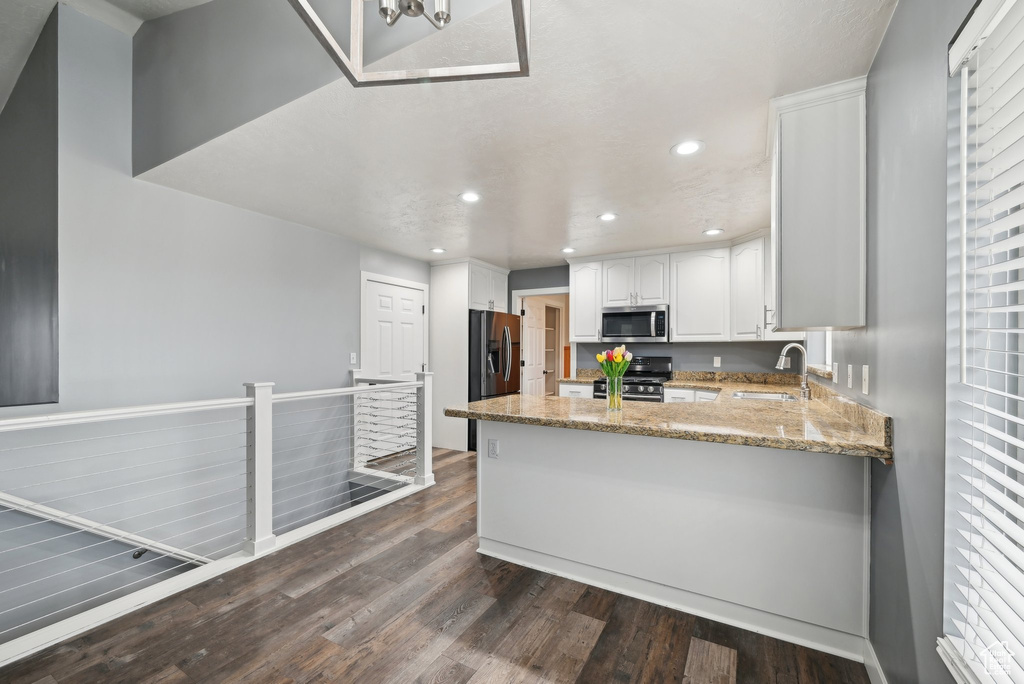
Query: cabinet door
[[768, 312], [499, 291], [747, 290], [585, 302], [679, 396], [480, 288], [820, 236], [618, 282], [699, 306], [577, 391], [650, 279]]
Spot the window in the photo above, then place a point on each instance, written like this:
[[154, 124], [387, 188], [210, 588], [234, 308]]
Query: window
[[984, 603]]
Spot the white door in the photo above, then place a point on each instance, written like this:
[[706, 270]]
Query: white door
[[392, 331], [533, 348], [651, 279], [618, 282], [699, 309], [747, 290], [585, 302]]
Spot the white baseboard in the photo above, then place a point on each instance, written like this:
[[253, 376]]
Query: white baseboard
[[849, 646], [871, 664], [25, 646]]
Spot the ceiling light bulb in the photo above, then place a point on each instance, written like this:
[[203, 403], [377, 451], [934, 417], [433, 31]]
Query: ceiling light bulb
[[568, 250], [688, 147], [713, 231], [470, 197], [438, 250], [608, 216]]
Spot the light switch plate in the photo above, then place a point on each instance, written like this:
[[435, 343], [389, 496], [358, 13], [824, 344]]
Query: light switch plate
[[849, 376], [835, 373], [864, 379], [492, 448], [718, 362], [352, 358]]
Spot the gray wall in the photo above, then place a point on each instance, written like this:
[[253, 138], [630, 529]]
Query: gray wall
[[904, 343], [28, 230]]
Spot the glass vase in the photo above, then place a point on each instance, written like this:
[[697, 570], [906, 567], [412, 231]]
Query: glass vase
[[615, 394]]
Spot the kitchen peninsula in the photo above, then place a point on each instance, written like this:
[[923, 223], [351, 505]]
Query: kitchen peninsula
[[754, 513]]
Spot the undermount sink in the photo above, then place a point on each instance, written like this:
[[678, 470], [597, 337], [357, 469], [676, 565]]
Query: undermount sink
[[764, 396]]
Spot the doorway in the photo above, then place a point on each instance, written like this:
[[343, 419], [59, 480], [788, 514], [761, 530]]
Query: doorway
[[545, 342]]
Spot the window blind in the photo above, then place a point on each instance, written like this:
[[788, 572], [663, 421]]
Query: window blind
[[985, 554]]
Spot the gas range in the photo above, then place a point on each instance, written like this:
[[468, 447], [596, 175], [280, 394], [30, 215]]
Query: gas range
[[643, 381]]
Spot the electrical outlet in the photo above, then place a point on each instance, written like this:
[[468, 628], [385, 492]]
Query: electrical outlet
[[492, 448], [849, 376], [835, 373], [864, 379], [718, 362], [352, 358]]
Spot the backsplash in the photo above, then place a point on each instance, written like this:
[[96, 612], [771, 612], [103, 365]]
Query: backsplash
[[743, 357]]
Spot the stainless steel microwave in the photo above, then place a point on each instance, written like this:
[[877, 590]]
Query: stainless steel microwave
[[635, 324]]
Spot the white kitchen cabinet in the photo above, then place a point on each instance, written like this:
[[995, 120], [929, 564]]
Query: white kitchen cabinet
[[650, 279], [699, 302], [746, 272], [768, 330], [635, 281], [679, 396], [576, 391], [706, 395], [585, 302], [819, 212], [488, 288], [617, 275]]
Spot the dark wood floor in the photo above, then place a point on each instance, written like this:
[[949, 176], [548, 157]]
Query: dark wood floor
[[400, 595]]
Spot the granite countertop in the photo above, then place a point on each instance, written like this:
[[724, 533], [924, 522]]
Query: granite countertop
[[827, 423]]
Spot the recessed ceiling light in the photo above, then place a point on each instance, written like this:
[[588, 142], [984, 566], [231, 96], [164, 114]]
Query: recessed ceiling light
[[608, 216], [568, 250], [713, 231], [469, 196], [438, 250], [688, 147]]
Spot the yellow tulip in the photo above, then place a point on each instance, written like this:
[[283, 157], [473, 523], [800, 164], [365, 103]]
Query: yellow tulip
[[600, 358], [618, 356]]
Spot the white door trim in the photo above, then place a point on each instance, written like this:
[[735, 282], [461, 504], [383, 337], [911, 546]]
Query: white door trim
[[517, 302], [366, 277]]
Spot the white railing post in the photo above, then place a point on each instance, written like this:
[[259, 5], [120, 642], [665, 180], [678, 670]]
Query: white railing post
[[424, 434], [259, 468]]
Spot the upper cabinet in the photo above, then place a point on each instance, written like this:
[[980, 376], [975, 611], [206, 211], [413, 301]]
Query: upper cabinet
[[639, 281], [819, 209], [488, 288], [585, 302], [746, 271], [699, 311]]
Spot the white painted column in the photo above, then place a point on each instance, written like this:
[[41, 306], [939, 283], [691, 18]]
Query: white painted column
[[424, 434], [259, 468]]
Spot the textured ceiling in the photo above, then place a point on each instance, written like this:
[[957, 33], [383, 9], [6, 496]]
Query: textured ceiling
[[22, 20]]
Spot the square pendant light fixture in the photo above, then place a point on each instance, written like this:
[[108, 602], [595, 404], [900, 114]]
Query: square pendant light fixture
[[390, 12]]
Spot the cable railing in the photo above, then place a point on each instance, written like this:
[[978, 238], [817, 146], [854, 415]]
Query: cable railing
[[100, 507]]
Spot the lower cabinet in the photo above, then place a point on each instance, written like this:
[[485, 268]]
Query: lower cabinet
[[577, 391], [688, 396]]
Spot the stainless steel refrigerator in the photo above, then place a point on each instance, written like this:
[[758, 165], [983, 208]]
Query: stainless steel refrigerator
[[494, 358]]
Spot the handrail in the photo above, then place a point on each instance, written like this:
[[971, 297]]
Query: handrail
[[379, 381], [101, 415], [344, 391], [79, 523]]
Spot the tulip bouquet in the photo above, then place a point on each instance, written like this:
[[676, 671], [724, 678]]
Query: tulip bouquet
[[614, 363]]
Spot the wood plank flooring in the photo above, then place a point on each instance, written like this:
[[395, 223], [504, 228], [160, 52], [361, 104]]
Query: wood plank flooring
[[400, 595]]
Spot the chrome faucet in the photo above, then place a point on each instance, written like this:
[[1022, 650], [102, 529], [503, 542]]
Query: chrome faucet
[[805, 391]]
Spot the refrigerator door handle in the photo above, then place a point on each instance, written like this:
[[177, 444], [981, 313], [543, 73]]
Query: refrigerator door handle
[[508, 354]]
